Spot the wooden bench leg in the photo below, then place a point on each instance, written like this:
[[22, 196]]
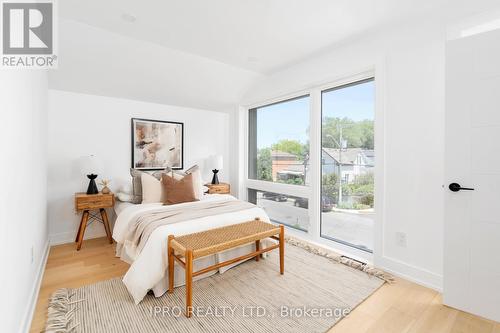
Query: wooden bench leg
[[282, 249], [170, 252], [257, 248], [85, 218], [189, 282]]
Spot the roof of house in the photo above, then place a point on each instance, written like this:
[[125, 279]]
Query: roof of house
[[293, 168], [350, 155], [283, 155]]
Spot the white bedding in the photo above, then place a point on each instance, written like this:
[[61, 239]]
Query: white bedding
[[120, 206], [148, 268]]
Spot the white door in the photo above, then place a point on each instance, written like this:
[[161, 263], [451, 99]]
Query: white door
[[472, 159]]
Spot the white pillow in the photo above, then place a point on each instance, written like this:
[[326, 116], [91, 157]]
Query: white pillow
[[124, 197], [126, 188], [197, 181], [151, 189]]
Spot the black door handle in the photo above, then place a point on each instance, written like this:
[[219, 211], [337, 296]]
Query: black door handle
[[455, 187]]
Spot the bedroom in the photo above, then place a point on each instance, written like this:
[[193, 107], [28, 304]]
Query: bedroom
[[344, 128]]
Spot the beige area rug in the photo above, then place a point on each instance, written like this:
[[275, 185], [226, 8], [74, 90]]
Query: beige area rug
[[313, 294]]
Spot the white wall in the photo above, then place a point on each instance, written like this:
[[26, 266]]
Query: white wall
[[409, 67], [82, 124], [23, 240]]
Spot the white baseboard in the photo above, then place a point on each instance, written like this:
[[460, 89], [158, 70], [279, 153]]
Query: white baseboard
[[393, 266], [69, 236], [412, 273], [30, 310]]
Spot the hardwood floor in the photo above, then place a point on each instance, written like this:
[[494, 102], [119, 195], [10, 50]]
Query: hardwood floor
[[400, 307], [68, 268]]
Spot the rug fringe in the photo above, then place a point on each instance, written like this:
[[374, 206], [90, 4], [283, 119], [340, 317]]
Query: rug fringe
[[368, 269], [61, 312]]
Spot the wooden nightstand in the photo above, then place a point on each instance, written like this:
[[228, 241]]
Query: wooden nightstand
[[221, 188], [88, 204]]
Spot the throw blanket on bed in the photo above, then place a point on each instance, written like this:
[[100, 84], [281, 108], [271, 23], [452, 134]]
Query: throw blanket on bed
[[142, 228]]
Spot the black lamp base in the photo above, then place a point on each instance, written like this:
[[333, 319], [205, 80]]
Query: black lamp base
[[92, 189], [215, 179]]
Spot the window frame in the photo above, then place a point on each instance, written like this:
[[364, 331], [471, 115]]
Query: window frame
[[313, 191], [344, 180], [247, 136], [255, 184]]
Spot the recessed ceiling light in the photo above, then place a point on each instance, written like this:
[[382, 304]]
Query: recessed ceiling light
[[128, 17]]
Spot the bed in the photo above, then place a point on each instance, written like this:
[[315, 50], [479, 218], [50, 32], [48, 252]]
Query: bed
[[148, 265]]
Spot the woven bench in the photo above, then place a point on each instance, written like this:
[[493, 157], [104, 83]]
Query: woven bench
[[185, 249]]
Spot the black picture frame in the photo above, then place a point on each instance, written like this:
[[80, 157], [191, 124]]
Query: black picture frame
[[133, 122]]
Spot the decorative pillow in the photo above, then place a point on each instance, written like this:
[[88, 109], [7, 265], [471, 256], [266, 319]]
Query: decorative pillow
[[126, 188], [137, 183], [151, 189], [136, 186], [170, 171], [178, 190], [137, 191], [159, 173], [197, 180], [124, 197], [177, 173]]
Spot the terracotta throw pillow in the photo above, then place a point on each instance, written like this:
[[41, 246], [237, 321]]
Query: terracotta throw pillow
[[177, 190]]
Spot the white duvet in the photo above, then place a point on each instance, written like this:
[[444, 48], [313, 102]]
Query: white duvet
[[148, 267]]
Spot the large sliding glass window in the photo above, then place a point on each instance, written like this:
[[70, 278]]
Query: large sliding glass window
[[279, 142], [285, 182], [282, 208], [347, 164], [278, 161]]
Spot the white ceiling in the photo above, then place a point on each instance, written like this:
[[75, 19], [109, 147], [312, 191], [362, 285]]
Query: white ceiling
[[99, 62], [257, 35], [208, 53]]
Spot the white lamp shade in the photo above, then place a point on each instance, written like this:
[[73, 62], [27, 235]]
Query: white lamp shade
[[216, 162], [90, 165]]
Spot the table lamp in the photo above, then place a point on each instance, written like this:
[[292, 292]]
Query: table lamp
[[91, 166], [215, 162]]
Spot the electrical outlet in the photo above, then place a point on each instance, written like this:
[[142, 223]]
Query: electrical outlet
[[401, 239], [32, 255]]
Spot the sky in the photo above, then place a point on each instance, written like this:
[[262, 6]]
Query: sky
[[290, 120]]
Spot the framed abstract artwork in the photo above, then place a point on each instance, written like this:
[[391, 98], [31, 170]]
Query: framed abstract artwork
[[157, 144]]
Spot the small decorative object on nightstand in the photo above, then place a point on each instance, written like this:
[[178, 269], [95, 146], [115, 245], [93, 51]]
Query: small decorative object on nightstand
[[221, 188], [105, 189], [89, 204]]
